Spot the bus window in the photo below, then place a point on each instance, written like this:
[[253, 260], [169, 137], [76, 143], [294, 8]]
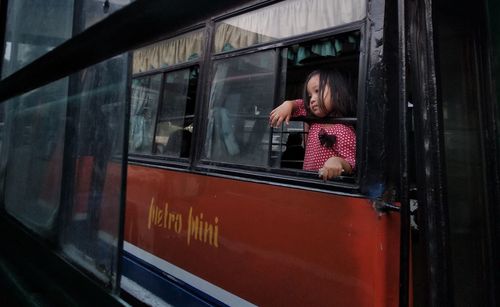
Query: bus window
[[144, 105], [240, 100], [245, 88], [175, 122], [163, 96]]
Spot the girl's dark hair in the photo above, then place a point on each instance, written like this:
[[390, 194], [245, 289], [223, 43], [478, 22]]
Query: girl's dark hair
[[340, 93]]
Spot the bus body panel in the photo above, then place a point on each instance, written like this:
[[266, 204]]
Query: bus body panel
[[266, 244]]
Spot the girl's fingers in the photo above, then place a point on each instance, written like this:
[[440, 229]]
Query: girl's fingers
[[277, 117], [275, 120], [323, 173], [279, 121], [326, 173], [272, 117]]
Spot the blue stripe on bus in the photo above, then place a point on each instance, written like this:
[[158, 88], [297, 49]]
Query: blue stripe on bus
[[169, 289]]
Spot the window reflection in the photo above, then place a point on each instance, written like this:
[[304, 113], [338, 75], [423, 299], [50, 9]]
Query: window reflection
[[36, 27], [35, 149], [240, 101], [61, 157], [144, 105], [33, 30]]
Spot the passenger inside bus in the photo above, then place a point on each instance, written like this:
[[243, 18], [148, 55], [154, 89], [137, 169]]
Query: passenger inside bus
[[330, 148], [179, 144]]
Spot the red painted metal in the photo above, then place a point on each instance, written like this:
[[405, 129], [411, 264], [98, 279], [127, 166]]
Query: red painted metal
[[267, 244]]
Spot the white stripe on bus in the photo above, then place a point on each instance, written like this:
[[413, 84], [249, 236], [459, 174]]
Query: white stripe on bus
[[193, 280]]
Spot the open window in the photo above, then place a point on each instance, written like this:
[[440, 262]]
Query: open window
[[175, 121], [246, 87], [340, 53]]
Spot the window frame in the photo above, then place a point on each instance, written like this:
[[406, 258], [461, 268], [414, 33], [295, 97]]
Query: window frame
[[287, 176], [158, 159], [206, 104]]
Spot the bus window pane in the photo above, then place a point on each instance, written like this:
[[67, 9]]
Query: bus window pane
[[285, 19], [175, 123], [34, 28], [240, 101], [32, 157], [143, 109], [93, 11], [170, 52], [61, 164], [93, 178]]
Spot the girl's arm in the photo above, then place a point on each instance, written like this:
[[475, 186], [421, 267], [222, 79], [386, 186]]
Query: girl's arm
[[344, 160], [334, 167], [283, 113]]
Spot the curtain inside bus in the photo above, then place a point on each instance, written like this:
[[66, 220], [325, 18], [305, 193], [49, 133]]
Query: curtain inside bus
[[170, 52], [285, 19]]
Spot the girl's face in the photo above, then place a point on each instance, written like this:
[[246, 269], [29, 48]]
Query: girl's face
[[313, 91]]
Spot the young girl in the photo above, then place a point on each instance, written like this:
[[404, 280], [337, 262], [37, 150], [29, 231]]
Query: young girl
[[330, 148]]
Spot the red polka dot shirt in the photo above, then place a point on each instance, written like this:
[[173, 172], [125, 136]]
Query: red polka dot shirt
[[317, 154]]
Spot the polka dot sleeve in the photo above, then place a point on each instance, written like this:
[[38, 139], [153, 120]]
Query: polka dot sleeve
[[299, 109]]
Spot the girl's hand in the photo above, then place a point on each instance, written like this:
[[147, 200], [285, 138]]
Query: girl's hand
[[281, 114], [334, 167]]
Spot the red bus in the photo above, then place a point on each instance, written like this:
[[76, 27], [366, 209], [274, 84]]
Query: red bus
[[214, 210]]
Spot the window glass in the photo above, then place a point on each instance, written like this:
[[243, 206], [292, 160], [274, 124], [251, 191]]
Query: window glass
[[92, 180], [285, 19], [32, 157], [93, 11], [143, 109], [175, 123], [76, 124], [241, 98], [34, 28], [170, 52]]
